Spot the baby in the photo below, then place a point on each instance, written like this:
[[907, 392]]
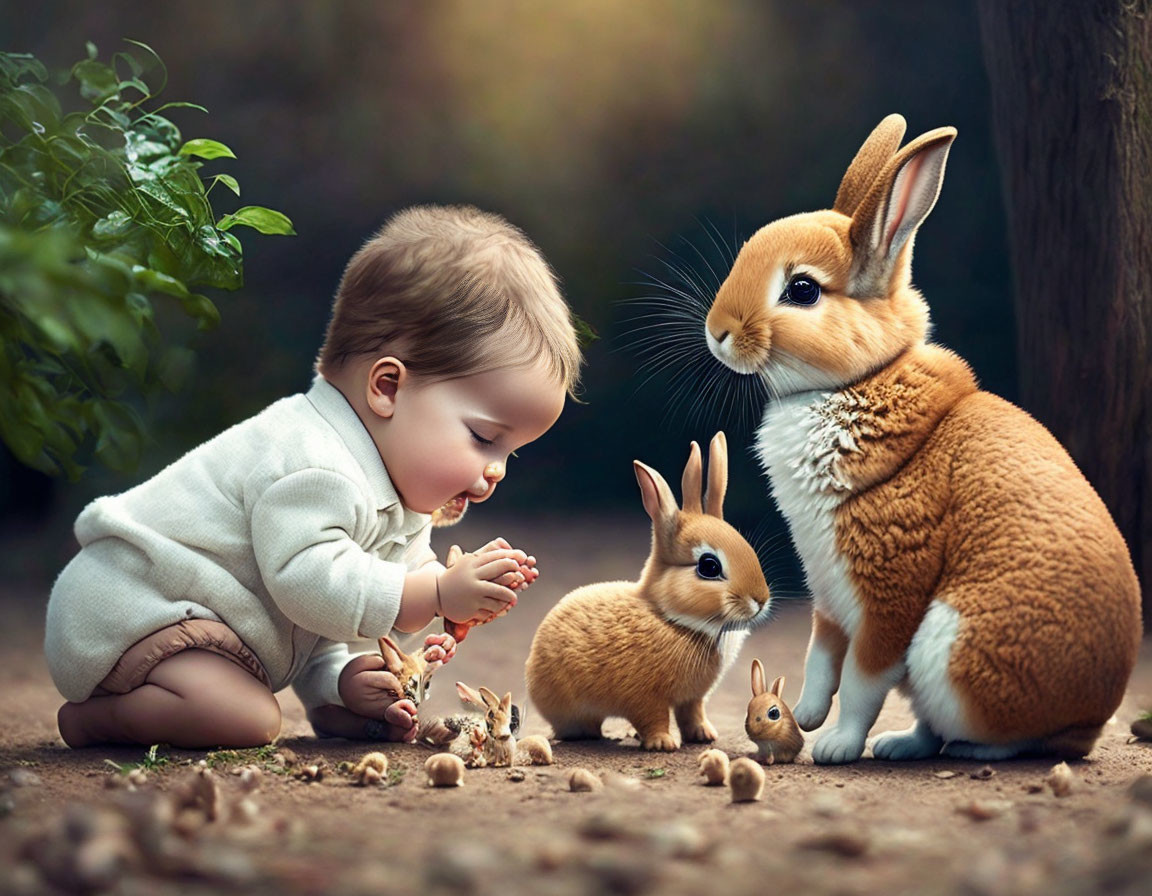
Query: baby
[[259, 559]]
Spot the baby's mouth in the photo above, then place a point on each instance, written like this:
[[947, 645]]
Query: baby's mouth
[[450, 512]]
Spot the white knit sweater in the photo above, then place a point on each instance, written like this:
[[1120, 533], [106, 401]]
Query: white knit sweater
[[285, 527]]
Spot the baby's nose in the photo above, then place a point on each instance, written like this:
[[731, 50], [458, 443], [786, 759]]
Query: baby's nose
[[494, 472]]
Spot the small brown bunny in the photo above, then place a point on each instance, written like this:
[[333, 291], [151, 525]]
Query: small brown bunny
[[500, 743], [642, 649], [769, 722]]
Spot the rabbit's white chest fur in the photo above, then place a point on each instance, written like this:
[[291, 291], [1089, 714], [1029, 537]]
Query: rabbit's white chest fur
[[800, 443]]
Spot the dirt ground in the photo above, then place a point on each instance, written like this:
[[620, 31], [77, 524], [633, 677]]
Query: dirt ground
[[938, 826]]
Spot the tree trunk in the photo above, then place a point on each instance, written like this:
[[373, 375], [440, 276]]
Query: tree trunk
[[1071, 88]]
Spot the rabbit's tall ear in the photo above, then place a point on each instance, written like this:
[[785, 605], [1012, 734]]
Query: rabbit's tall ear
[[880, 146], [655, 493], [393, 655], [894, 208], [757, 678], [490, 698], [468, 695], [506, 702], [717, 476], [778, 687], [690, 484]]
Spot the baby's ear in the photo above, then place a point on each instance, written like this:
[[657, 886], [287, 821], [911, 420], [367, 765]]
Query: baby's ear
[[385, 378]]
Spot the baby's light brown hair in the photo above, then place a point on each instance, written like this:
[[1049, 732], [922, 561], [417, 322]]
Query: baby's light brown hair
[[452, 291]]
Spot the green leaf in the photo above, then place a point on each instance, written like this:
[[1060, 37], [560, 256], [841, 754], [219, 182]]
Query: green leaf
[[228, 180], [154, 281], [98, 82], [206, 149], [201, 308], [265, 220]]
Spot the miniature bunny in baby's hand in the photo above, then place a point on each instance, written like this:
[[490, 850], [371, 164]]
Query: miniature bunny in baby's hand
[[640, 649], [769, 722]]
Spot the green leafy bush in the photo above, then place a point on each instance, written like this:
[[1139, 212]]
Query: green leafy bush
[[103, 212]]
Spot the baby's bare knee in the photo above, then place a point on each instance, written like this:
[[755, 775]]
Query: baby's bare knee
[[258, 722]]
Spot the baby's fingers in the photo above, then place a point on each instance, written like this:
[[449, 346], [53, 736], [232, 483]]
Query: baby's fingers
[[494, 569]]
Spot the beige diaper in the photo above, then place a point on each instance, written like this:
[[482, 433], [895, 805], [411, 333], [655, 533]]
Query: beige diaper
[[141, 658]]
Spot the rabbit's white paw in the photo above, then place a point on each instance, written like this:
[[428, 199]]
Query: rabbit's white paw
[[837, 747], [917, 742]]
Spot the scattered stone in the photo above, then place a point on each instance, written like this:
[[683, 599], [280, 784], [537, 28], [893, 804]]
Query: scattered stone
[[713, 766], [516, 775], [370, 770], [580, 780], [745, 780], [983, 810], [842, 842], [536, 748], [1140, 790], [604, 826], [983, 774], [23, 777], [945, 775], [625, 875], [310, 774], [1142, 728], [444, 770], [285, 758], [827, 804], [250, 779], [617, 781], [679, 840], [1061, 780]]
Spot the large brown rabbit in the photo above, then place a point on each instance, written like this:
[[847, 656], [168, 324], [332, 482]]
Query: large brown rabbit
[[951, 545], [645, 650]]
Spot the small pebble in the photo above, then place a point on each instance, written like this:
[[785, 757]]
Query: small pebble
[[1060, 780], [983, 810], [846, 843], [516, 775], [1140, 790], [22, 777], [945, 775], [983, 774], [1142, 728], [580, 780], [745, 780]]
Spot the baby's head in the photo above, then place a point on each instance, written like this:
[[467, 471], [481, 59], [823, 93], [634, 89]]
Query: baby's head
[[451, 340]]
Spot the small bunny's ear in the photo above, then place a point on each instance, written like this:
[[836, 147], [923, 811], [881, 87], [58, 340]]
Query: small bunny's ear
[[691, 482], [506, 702], [393, 655], [757, 678], [655, 493], [880, 146], [490, 698], [717, 476], [468, 695], [894, 208], [778, 687]]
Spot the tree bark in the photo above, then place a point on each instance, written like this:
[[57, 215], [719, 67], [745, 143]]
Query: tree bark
[[1071, 88]]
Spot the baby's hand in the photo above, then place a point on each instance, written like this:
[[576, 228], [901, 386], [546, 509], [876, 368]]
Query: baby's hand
[[438, 649], [525, 574], [368, 689], [478, 587]]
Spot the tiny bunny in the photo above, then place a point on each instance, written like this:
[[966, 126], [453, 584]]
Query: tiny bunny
[[641, 649], [411, 669], [500, 743], [769, 722], [951, 545]]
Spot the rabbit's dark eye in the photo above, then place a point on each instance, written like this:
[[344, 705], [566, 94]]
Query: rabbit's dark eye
[[774, 713], [709, 567], [801, 290]]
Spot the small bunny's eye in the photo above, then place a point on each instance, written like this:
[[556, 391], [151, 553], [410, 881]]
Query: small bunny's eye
[[774, 713], [801, 290], [709, 567]]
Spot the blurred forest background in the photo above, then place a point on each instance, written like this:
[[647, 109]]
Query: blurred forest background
[[630, 140]]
